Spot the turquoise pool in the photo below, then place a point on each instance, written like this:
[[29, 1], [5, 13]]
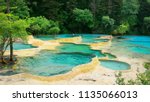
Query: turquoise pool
[[66, 57], [140, 50], [48, 63], [54, 37], [69, 47], [21, 46], [45, 37], [143, 41], [114, 65], [91, 38], [86, 38], [139, 45]]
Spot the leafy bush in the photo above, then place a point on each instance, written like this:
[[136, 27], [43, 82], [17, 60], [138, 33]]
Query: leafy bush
[[41, 25], [119, 80], [107, 24], [122, 29], [147, 65], [84, 17], [142, 78], [81, 21], [54, 30], [106, 20]]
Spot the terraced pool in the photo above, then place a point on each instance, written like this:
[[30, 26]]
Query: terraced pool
[[48, 63], [139, 45], [86, 38], [69, 47], [21, 46], [66, 57], [114, 65]]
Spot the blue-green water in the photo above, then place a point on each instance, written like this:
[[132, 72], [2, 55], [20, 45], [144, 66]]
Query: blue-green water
[[140, 50], [114, 65], [134, 44], [21, 46], [86, 38], [54, 37], [91, 38], [67, 56], [48, 63], [69, 47], [143, 41], [45, 37]]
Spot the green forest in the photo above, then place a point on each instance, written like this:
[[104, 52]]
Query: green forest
[[80, 16]]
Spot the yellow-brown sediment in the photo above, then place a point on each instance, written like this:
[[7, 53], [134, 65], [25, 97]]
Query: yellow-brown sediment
[[70, 40], [97, 46]]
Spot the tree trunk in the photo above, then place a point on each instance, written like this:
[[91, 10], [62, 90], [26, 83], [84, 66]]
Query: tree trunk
[[11, 40], [11, 49], [1, 58]]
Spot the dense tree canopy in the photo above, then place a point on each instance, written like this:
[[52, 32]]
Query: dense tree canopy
[[83, 19], [85, 16], [41, 25], [129, 13]]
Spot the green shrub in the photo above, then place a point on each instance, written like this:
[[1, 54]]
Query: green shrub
[[84, 16], [122, 29], [54, 30], [142, 78], [41, 25], [147, 65], [107, 24]]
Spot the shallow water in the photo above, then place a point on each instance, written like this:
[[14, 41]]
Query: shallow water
[[86, 38], [48, 63], [21, 46], [54, 37], [80, 48], [66, 57], [114, 65], [45, 37], [91, 38], [133, 45]]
